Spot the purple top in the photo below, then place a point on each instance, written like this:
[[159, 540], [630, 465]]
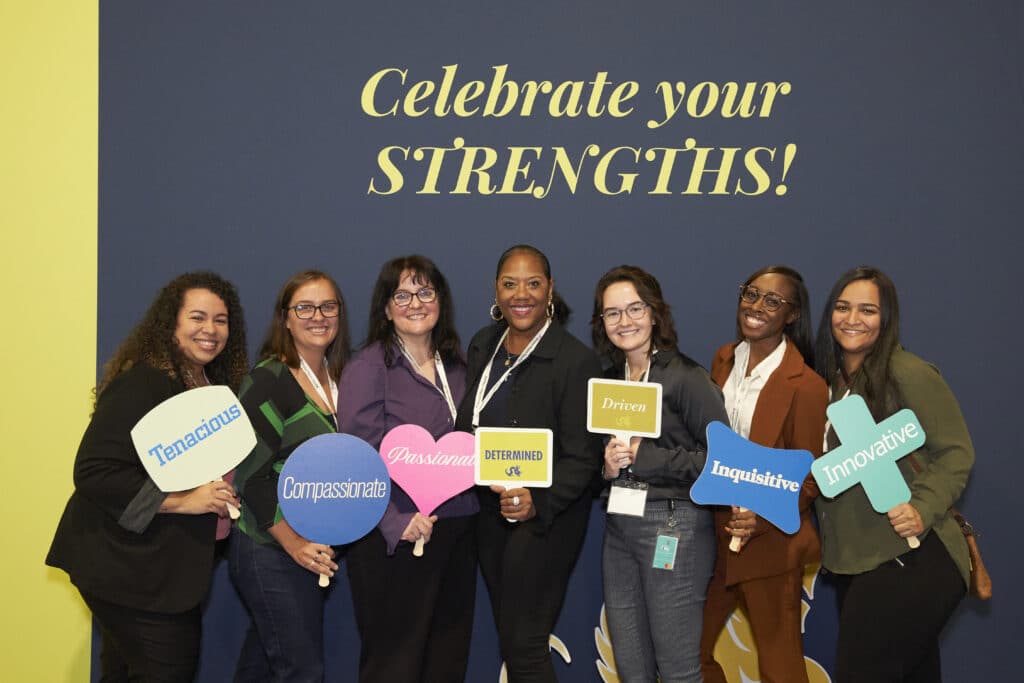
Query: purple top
[[374, 398]]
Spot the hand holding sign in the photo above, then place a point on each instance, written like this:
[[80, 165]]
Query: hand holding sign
[[868, 454], [765, 480], [333, 489], [429, 472], [512, 458], [193, 438]]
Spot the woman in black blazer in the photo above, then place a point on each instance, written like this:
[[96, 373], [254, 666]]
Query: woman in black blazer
[[526, 370], [141, 558]]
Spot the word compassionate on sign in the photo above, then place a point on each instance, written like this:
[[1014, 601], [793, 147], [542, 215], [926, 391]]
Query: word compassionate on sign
[[868, 453], [624, 409], [334, 489], [193, 438], [513, 457], [765, 480]]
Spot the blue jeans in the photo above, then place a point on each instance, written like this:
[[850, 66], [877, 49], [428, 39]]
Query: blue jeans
[[285, 641], [655, 616]]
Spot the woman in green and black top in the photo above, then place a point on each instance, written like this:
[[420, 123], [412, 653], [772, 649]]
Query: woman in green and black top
[[290, 397], [894, 600]]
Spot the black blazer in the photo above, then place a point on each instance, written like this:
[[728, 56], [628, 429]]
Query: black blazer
[[548, 390], [109, 540]]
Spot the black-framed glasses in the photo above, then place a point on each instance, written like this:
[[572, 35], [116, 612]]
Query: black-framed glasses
[[328, 309], [403, 298], [772, 301], [635, 311]]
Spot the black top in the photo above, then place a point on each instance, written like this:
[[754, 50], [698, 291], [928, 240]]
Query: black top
[[110, 540], [690, 400], [547, 391]]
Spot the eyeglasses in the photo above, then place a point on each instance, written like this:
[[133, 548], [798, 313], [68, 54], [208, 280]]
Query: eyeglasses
[[328, 309], [403, 298], [772, 301], [635, 311]]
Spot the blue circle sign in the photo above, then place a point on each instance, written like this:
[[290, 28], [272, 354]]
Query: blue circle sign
[[334, 489]]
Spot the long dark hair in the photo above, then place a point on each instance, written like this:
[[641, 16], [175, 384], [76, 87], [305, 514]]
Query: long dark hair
[[798, 331], [875, 375], [151, 341], [443, 338], [279, 343], [562, 310], [663, 334]]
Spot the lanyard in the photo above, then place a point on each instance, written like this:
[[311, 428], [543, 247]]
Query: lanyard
[[439, 368], [483, 397], [311, 376], [828, 423]]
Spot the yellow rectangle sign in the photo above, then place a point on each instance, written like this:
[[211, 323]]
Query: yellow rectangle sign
[[624, 408], [513, 457]]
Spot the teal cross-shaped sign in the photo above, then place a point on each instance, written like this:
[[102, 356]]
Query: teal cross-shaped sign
[[868, 453]]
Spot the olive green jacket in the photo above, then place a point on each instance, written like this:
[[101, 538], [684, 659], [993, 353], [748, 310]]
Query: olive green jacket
[[854, 537]]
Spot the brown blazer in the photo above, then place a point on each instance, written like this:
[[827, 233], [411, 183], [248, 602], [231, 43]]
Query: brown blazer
[[790, 413]]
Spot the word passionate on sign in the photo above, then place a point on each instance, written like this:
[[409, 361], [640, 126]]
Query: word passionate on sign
[[429, 472], [513, 457], [624, 409], [333, 489], [765, 480], [868, 453], [193, 438]]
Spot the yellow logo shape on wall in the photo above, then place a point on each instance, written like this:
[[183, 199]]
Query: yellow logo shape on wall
[[735, 649]]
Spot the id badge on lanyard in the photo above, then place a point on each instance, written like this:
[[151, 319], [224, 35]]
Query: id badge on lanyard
[[667, 542]]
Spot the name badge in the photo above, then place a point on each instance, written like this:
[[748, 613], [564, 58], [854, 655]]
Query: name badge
[[627, 497]]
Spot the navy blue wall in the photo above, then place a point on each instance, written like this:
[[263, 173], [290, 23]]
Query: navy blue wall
[[232, 138]]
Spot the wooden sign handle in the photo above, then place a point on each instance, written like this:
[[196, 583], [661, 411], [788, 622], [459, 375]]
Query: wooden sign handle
[[417, 551], [233, 512], [324, 581], [736, 544], [913, 542]]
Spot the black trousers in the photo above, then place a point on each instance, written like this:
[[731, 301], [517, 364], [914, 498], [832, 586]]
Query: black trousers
[[415, 614], [890, 617], [146, 646], [527, 573]]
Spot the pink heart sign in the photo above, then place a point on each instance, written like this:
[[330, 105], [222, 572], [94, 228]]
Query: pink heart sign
[[430, 472]]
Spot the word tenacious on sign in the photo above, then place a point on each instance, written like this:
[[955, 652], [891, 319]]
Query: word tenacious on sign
[[193, 438], [868, 454]]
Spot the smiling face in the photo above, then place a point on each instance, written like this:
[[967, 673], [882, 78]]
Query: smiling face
[[759, 325], [522, 292], [312, 336], [417, 320], [202, 328], [857, 321], [633, 337]]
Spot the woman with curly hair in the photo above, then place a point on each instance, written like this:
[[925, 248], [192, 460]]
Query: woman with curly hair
[[142, 558]]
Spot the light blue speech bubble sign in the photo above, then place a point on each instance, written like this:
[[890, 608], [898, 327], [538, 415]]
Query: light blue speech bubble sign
[[765, 480], [868, 454]]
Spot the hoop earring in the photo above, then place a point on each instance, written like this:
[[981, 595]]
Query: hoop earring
[[496, 312], [550, 310]]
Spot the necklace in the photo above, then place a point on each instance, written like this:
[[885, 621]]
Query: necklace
[[190, 380]]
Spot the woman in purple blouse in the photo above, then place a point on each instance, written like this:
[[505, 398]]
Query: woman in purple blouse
[[415, 614]]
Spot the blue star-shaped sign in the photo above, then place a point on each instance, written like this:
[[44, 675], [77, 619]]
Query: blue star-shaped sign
[[765, 480]]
